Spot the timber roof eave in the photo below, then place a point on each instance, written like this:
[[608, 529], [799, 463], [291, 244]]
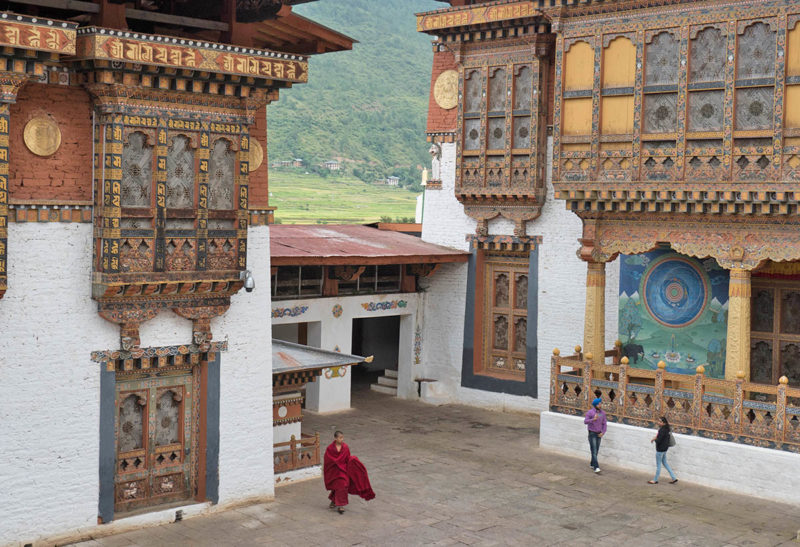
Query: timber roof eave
[[289, 357], [306, 31], [367, 260]]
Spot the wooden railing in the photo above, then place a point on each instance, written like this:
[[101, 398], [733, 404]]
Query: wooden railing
[[300, 454], [730, 410]]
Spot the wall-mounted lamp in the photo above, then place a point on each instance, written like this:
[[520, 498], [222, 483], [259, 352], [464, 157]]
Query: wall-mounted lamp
[[249, 282]]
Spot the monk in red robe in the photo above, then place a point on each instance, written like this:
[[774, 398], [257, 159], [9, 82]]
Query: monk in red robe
[[337, 456], [344, 474]]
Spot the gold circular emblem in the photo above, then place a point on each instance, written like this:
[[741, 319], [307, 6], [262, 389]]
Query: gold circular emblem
[[445, 90], [42, 136], [256, 154]]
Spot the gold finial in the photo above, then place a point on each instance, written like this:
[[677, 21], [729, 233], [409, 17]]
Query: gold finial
[[587, 356], [662, 365], [624, 361], [740, 375], [618, 343], [784, 380], [556, 352], [701, 369], [577, 349], [369, 359]]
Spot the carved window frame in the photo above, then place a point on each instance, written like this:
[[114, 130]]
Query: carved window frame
[[661, 90], [513, 265], [775, 338], [233, 147], [184, 212], [495, 170]]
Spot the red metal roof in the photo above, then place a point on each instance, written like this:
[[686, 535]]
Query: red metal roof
[[336, 244]]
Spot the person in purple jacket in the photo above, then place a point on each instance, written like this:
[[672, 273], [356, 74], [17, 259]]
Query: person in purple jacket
[[595, 421]]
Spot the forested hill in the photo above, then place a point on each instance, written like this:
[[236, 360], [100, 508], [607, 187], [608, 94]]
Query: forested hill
[[369, 104]]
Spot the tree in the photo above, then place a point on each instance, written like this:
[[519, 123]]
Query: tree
[[630, 322]]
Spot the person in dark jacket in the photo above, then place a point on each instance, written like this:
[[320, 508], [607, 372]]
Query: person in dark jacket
[[662, 445]]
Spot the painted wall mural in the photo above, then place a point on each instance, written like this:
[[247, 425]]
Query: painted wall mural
[[673, 308], [388, 305], [277, 313]]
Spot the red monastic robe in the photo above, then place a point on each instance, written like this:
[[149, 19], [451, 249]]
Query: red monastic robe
[[335, 473], [345, 474]]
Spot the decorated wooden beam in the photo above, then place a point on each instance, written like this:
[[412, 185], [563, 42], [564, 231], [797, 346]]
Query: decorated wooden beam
[[475, 15], [95, 43]]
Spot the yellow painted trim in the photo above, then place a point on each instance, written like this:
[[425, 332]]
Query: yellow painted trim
[[578, 67], [577, 147], [793, 51], [616, 115], [619, 63], [577, 116], [792, 104]]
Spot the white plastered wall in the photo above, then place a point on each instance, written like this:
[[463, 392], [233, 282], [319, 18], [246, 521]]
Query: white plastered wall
[[51, 389], [561, 299], [738, 468], [329, 332]]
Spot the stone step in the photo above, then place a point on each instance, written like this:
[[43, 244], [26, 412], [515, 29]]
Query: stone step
[[387, 381], [384, 389], [390, 373]]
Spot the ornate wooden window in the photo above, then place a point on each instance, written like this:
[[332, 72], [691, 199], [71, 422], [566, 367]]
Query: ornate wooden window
[[137, 250], [661, 85], [754, 102], [180, 173], [792, 107], [660, 106], [156, 440], [221, 168], [505, 315], [706, 103], [499, 128], [616, 109], [775, 331], [577, 110], [137, 171]]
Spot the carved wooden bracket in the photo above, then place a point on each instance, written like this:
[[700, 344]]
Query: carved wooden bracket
[[201, 320], [10, 84], [346, 273], [422, 270], [129, 320]]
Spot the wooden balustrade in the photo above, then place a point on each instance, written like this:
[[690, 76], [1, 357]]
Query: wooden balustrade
[[730, 410], [302, 453]]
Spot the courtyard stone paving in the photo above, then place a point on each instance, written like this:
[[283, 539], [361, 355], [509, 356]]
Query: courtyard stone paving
[[456, 475]]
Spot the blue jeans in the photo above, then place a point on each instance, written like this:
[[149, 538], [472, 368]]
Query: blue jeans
[[594, 447], [661, 457]]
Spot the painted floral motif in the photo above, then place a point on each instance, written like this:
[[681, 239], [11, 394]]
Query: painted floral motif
[[277, 313], [417, 345], [337, 310], [335, 372], [388, 305]]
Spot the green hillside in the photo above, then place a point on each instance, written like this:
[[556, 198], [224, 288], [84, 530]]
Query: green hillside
[[309, 199], [367, 105]]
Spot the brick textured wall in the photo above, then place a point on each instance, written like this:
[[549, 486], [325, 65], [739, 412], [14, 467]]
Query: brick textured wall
[[439, 119], [67, 174], [259, 187]]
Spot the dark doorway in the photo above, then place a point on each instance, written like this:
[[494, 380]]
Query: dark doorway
[[379, 337]]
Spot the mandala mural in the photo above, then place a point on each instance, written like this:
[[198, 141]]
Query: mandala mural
[[673, 308], [675, 291]]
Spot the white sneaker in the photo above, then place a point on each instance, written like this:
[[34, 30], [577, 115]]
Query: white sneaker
[[596, 469]]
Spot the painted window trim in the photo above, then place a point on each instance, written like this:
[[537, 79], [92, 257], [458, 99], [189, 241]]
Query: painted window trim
[[491, 381]]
